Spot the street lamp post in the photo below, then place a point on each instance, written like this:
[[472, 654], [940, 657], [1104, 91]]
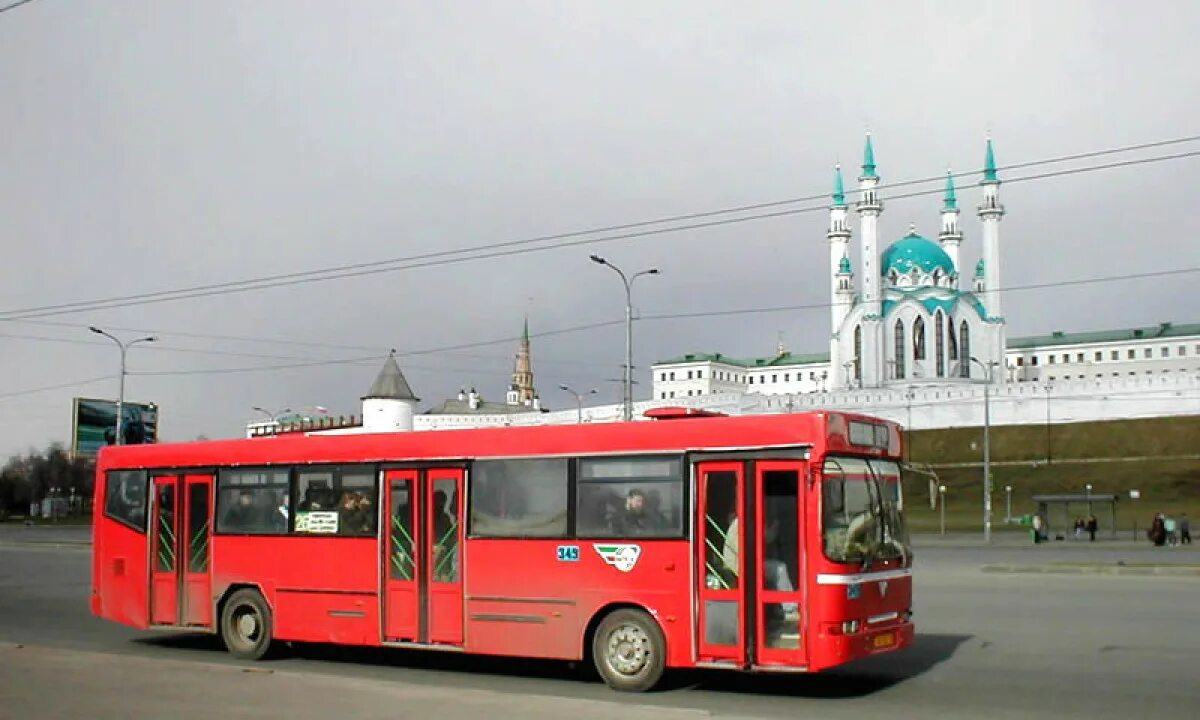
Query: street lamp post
[[1088, 491], [627, 413], [268, 413], [987, 449], [578, 401], [120, 438], [1007, 504], [942, 506]]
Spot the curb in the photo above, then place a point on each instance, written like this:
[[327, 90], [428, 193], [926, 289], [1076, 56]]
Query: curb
[[1143, 570]]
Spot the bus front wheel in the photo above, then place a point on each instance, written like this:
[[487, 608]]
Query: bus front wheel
[[629, 650], [246, 625]]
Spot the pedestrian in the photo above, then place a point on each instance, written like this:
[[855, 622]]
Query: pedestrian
[[1169, 527], [1092, 526], [1078, 528], [1037, 528], [1158, 530], [1185, 530]]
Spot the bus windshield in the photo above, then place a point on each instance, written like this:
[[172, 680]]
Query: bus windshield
[[862, 518]]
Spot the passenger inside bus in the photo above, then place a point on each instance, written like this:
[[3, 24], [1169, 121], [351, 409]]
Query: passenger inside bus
[[640, 516], [242, 514], [355, 516], [775, 571]]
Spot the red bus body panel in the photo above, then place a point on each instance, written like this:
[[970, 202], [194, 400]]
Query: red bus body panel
[[519, 597]]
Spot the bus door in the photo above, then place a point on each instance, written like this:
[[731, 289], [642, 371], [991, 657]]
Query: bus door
[[721, 508], [180, 582], [423, 589], [750, 607], [778, 588]]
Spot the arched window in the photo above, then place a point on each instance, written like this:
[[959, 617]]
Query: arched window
[[919, 339], [939, 340], [858, 352], [953, 338], [964, 350], [900, 349]]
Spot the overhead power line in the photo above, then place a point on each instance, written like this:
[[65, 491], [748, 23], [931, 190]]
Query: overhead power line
[[14, 5], [519, 247], [669, 316], [60, 386]]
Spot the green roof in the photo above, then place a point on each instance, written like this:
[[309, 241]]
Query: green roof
[[1161, 331], [844, 265], [786, 358], [911, 251]]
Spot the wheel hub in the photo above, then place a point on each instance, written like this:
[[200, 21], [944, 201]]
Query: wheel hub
[[247, 626], [628, 649]]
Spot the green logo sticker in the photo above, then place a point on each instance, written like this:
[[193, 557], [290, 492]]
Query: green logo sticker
[[622, 557]]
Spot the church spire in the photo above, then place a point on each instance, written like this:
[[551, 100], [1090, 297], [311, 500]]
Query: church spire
[[521, 391]]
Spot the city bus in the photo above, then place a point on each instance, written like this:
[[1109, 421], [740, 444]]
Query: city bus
[[771, 543]]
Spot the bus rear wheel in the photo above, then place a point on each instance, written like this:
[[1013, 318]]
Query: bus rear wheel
[[629, 650], [246, 625]]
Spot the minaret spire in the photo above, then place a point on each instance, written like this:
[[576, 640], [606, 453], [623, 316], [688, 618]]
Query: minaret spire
[[839, 188], [869, 364], [989, 165], [839, 278], [950, 237], [868, 166], [990, 211]]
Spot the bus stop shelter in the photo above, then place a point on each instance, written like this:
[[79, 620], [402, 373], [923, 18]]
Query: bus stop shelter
[[1089, 504]]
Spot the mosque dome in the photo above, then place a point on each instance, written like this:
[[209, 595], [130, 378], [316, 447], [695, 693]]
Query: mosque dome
[[913, 251]]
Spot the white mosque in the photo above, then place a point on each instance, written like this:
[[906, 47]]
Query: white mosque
[[908, 317]]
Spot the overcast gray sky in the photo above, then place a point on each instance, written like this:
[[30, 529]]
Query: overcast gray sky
[[153, 145]]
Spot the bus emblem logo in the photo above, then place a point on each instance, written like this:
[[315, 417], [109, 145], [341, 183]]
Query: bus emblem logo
[[622, 557]]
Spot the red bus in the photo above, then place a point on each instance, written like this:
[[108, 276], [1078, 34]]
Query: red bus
[[763, 543]]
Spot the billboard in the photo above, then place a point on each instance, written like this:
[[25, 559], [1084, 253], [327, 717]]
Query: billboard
[[94, 424]]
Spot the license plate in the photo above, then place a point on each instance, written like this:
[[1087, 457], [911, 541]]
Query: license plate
[[883, 640]]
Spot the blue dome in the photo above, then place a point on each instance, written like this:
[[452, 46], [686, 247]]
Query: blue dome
[[911, 251]]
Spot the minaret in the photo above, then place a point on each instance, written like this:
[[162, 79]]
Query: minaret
[[521, 392], [990, 212], [870, 361], [951, 236], [839, 249], [869, 209]]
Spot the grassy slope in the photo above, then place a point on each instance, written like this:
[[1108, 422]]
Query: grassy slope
[[1167, 485]]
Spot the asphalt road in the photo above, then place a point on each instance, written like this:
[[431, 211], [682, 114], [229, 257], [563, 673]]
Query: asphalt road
[[989, 645]]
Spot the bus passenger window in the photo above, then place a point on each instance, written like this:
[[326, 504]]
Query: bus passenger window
[[518, 498], [630, 497], [336, 500], [248, 501]]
